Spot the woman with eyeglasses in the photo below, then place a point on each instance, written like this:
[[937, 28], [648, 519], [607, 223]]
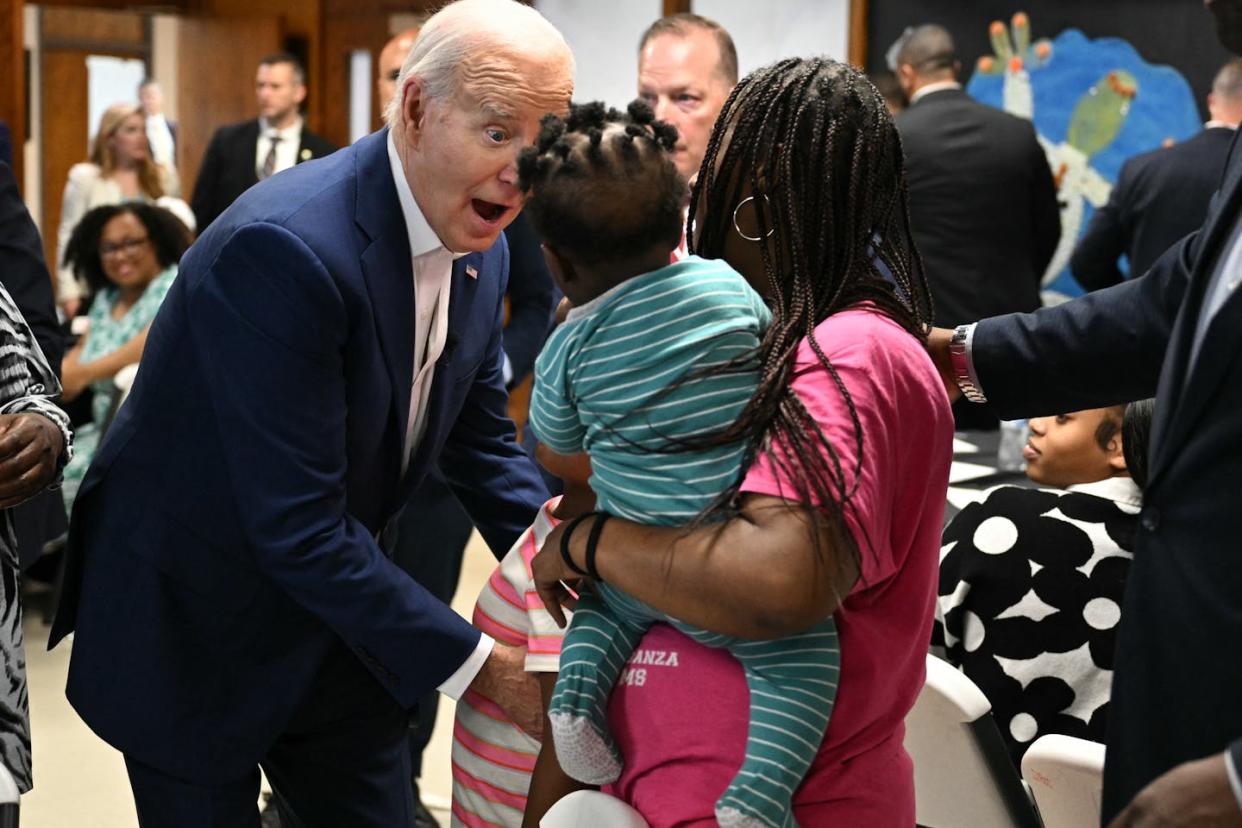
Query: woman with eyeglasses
[[127, 254], [120, 169]]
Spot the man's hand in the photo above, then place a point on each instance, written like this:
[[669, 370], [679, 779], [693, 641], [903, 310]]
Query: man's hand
[[30, 447], [551, 575], [938, 347], [1192, 794], [505, 681]]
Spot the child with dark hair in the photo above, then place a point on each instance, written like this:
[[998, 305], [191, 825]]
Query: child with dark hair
[[1031, 580], [634, 379]]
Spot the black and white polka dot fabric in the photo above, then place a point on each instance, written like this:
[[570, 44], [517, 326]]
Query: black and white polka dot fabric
[[1031, 584]]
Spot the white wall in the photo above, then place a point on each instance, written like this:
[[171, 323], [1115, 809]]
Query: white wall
[[604, 35], [767, 31], [604, 38], [164, 30]]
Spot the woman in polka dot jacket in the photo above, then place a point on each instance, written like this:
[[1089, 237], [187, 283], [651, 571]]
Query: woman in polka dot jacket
[[1031, 580]]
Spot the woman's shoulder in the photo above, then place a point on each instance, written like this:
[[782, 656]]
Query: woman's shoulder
[[84, 173], [868, 327], [867, 343]]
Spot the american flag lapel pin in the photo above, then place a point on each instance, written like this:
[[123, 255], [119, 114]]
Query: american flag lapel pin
[[472, 271]]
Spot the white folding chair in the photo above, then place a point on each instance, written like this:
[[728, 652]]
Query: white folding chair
[[963, 776], [1066, 777], [594, 809]]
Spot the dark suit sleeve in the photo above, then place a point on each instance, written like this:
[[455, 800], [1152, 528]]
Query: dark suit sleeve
[[1101, 349], [489, 472], [1094, 262], [530, 299], [23, 271], [206, 199], [270, 325], [1045, 210]]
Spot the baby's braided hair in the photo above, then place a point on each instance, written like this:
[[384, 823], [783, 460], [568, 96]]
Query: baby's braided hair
[[601, 183]]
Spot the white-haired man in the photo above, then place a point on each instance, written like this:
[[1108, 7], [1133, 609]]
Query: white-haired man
[[332, 334]]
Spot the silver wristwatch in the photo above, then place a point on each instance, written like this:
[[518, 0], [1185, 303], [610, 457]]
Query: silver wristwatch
[[963, 372]]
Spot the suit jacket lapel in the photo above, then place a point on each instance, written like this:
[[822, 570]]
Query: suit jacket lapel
[[461, 299], [388, 271], [1179, 410]]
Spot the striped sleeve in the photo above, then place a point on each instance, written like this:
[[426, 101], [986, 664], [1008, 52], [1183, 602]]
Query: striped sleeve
[[27, 382], [553, 416], [543, 637]]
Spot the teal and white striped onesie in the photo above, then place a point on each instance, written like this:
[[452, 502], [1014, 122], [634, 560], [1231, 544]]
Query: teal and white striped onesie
[[621, 379]]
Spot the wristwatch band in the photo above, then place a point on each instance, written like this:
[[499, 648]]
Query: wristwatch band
[[963, 372]]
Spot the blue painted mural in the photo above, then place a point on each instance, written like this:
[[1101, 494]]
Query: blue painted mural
[[1094, 103]]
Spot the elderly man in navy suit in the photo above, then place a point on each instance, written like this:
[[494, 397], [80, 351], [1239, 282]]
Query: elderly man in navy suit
[[1175, 726], [332, 334]]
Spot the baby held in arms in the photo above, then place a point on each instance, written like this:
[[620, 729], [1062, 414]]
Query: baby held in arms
[[628, 380]]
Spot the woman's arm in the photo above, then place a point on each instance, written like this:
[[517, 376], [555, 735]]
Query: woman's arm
[[77, 375], [549, 783], [756, 576]]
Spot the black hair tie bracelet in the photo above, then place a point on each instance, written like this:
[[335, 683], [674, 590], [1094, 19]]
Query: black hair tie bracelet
[[592, 543], [565, 556]]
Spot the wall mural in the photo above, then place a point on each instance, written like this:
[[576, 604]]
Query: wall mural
[[1094, 103]]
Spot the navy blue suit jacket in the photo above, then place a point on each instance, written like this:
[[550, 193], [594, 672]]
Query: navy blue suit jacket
[[1178, 680], [225, 536], [1160, 197]]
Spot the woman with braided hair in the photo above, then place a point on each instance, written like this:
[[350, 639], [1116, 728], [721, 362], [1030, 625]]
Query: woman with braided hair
[[848, 443], [654, 358]]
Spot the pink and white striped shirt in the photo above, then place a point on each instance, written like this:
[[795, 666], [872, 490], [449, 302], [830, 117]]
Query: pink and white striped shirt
[[493, 759]]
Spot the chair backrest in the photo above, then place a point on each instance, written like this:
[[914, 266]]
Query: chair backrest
[[963, 776], [1066, 777], [594, 809]]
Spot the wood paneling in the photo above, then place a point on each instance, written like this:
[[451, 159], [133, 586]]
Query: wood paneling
[[216, 62], [300, 20], [151, 6], [77, 26], [676, 7], [13, 78], [343, 34], [858, 33], [65, 131]]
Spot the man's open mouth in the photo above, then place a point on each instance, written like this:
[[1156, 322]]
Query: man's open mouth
[[489, 211]]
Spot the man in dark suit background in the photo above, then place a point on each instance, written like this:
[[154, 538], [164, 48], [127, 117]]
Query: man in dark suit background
[[1175, 728], [1162, 195], [329, 339], [23, 272], [983, 205], [161, 132], [240, 155]]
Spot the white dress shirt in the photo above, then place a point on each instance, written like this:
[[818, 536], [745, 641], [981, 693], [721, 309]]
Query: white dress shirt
[[433, 271], [159, 136], [286, 148], [938, 86]]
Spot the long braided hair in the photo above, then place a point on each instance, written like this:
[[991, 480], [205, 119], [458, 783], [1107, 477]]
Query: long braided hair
[[813, 142]]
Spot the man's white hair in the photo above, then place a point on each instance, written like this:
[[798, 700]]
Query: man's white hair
[[463, 29]]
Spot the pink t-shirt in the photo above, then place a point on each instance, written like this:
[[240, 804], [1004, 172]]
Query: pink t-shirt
[[680, 720]]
